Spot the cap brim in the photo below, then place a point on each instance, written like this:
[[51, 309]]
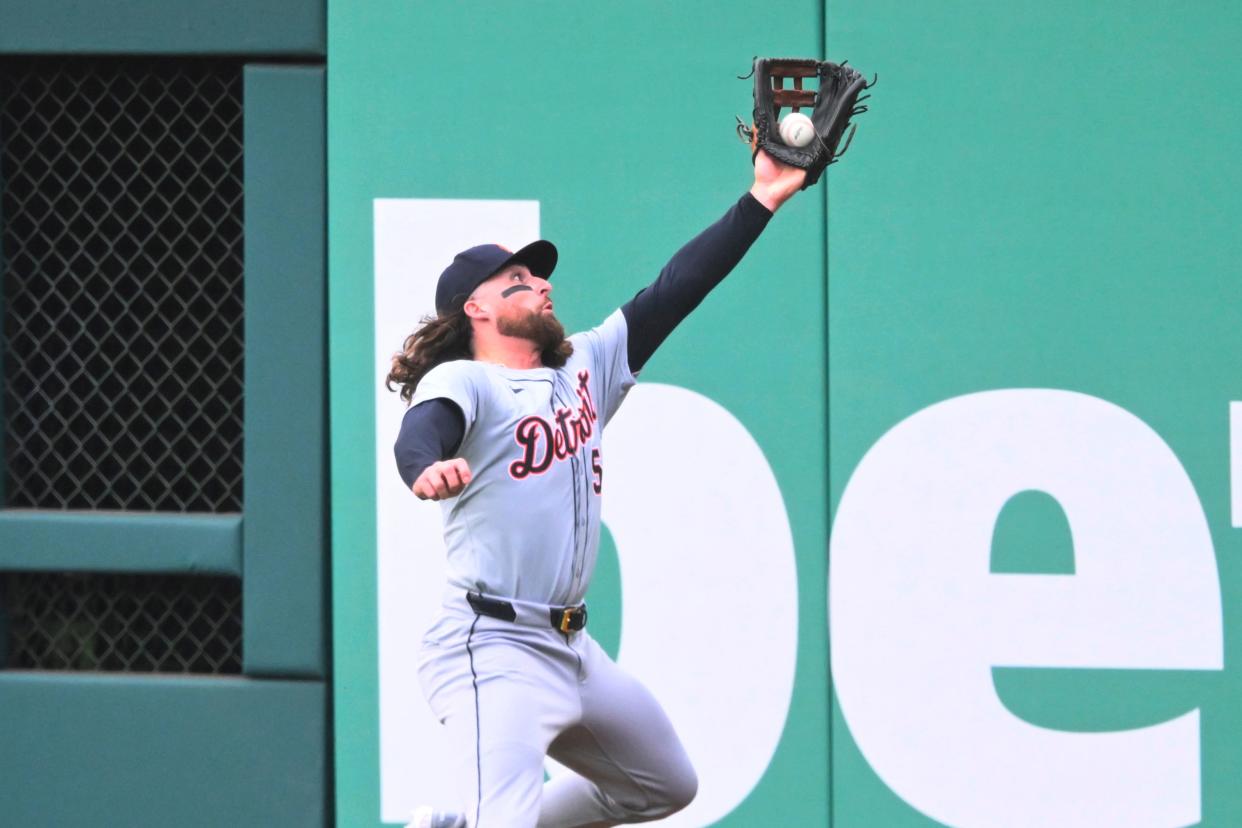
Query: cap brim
[[540, 256]]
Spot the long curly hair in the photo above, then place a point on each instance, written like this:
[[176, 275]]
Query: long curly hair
[[447, 337]]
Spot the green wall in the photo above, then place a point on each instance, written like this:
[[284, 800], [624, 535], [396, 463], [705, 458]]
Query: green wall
[[248, 750], [154, 751], [128, 27], [1042, 197], [619, 120], [1046, 196]]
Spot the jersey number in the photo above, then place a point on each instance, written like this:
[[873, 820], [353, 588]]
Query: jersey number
[[598, 468]]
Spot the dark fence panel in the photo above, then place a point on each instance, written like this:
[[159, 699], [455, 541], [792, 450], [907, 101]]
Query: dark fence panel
[[122, 255]]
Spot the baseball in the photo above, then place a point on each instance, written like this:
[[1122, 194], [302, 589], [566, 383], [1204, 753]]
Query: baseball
[[797, 129]]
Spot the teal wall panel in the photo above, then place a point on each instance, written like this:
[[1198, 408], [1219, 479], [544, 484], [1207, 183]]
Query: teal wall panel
[[3, 430], [36, 539], [285, 532], [619, 120], [137, 752], [292, 27], [203, 751], [1023, 225]]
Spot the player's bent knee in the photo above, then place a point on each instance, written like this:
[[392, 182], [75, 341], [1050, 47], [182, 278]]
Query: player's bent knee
[[673, 792], [683, 794], [678, 791]]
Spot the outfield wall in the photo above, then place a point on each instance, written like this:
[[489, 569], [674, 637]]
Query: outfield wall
[[996, 353], [92, 739], [1004, 329], [1034, 348], [595, 127]]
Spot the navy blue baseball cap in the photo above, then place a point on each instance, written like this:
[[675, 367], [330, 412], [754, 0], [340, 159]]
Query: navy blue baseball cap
[[473, 267]]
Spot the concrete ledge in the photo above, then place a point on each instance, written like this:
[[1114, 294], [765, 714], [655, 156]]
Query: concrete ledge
[[164, 27], [100, 541], [100, 749]]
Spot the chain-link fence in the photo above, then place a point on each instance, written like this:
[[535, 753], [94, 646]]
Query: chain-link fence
[[121, 204], [133, 623], [121, 254]]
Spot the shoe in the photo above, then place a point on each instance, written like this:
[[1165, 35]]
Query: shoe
[[428, 817]]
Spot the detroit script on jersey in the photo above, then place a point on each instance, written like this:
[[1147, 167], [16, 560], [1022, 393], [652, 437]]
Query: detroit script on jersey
[[543, 442]]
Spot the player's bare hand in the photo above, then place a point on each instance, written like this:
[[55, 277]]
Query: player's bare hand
[[444, 479], [775, 182]]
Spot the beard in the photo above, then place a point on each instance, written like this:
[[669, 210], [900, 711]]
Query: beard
[[543, 329]]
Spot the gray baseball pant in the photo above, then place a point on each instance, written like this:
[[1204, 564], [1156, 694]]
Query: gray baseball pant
[[511, 693]]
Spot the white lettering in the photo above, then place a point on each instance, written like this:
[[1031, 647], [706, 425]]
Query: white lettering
[[918, 622], [1235, 462], [414, 239], [709, 585]]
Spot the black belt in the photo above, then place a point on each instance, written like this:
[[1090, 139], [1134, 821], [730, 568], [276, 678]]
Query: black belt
[[565, 619]]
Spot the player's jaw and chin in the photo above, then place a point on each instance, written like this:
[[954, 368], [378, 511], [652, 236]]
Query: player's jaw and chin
[[540, 327]]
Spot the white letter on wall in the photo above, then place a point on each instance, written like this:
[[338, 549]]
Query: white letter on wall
[[415, 239], [918, 622], [709, 584]]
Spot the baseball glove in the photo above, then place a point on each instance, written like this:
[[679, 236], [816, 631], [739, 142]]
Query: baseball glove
[[836, 99]]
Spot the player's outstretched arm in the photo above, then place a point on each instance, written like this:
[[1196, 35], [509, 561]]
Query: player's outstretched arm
[[705, 260], [775, 182], [442, 479]]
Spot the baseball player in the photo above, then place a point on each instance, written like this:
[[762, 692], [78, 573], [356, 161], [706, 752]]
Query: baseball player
[[504, 430]]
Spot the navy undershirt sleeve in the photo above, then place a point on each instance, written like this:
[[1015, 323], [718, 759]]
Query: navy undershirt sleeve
[[689, 276], [430, 432]]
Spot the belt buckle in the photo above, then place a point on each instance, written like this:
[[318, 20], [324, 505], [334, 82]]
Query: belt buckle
[[566, 618]]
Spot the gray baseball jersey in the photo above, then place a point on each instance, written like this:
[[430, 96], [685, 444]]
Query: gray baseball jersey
[[527, 525]]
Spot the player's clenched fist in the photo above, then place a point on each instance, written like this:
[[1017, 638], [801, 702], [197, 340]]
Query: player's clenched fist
[[443, 479]]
